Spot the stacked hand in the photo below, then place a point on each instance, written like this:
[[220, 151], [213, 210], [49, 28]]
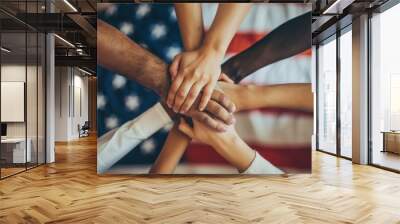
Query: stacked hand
[[204, 134], [201, 130], [194, 77], [192, 73], [218, 112]]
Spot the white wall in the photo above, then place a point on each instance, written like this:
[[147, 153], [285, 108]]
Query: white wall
[[33, 127], [61, 103], [69, 82], [16, 73]]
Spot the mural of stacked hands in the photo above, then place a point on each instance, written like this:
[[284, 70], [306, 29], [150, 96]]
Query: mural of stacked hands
[[204, 88]]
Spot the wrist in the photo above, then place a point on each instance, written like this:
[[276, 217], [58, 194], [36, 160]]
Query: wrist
[[228, 140], [246, 92], [211, 48]]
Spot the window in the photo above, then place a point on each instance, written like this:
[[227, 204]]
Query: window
[[385, 89], [22, 88], [346, 94], [327, 96]]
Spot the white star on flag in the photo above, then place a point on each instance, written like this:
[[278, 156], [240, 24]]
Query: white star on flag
[[111, 122], [173, 14], [172, 51], [126, 28], [119, 81], [142, 10], [132, 102], [158, 31], [111, 10], [101, 101], [148, 146]]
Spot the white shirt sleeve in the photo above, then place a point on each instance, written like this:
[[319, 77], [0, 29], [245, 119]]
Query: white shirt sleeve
[[115, 144], [262, 166]]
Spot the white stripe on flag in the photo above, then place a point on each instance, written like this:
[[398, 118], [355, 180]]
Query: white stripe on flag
[[263, 17], [290, 70], [273, 129]]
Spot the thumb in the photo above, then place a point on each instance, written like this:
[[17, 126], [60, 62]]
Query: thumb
[[223, 77], [173, 68], [185, 128]]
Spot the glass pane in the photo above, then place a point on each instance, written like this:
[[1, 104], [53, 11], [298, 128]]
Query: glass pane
[[31, 98], [41, 99], [385, 87], [346, 94], [13, 86], [327, 97]]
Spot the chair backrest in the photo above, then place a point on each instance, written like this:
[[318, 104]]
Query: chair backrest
[[86, 124]]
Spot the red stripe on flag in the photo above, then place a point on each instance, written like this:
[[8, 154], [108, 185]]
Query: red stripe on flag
[[306, 53], [243, 40], [296, 157]]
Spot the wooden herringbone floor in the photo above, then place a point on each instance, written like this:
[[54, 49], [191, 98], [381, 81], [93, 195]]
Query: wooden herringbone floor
[[70, 191]]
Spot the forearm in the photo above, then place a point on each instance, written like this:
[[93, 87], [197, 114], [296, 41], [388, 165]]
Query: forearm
[[171, 153], [115, 144], [117, 52], [235, 151], [190, 20], [227, 20], [287, 40], [289, 96]]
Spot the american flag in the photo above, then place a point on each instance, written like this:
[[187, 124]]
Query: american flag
[[282, 136]]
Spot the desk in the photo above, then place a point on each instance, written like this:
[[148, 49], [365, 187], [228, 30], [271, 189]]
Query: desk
[[391, 141], [13, 150]]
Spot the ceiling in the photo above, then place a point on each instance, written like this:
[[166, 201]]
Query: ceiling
[[75, 21], [72, 20]]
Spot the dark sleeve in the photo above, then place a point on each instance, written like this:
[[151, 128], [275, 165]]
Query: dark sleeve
[[288, 39]]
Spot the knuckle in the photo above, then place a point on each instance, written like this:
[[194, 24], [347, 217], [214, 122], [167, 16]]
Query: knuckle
[[180, 94], [192, 94], [219, 111], [231, 108], [203, 118], [174, 87], [210, 89], [226, 101], [197, 75], [219, 126], [185, 70], [220, 97], [223, 98]]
